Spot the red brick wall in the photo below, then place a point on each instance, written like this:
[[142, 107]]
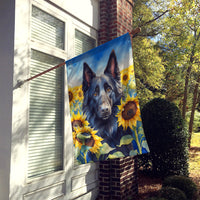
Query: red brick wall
[[118, 177], [115, 19]]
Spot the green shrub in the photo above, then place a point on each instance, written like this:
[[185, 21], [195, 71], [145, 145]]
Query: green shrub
[[144, 161], [156, 198], [171, 193], [167, 138], [183, 183]]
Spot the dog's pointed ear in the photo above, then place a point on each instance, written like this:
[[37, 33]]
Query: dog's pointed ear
[[112, 66], [88, 75]]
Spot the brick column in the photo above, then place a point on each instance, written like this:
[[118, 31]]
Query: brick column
[[105, 180], [118, 177], [123, 178], [115, 19]]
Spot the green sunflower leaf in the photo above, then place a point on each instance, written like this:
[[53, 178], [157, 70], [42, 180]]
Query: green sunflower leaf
[[105, 149], [83, 136], [125, 140], [145, 145], [117, 154], [85, 148], [133, 153], [140, 130]]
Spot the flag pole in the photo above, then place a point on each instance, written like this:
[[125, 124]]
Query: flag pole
[[20, 83]]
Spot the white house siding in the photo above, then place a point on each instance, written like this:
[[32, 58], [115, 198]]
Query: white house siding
[[15, 45], [85, 10]]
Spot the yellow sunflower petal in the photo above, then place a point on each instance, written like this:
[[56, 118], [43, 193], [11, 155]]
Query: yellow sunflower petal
[[125, 76], [78, 93], [78, 120], [71, 94]]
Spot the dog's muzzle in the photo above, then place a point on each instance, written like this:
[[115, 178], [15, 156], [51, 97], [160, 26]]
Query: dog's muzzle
[[104, 111]]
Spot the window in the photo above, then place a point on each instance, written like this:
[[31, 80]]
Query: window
[[45, 139], [46, 105], [83, 42], [46, 28]]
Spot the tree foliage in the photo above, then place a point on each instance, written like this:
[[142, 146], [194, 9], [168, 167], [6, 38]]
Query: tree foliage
[[183, 30], [172, 30], [182, 36], [149, 67]]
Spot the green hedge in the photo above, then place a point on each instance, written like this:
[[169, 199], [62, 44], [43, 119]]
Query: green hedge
[[167, 138], [171, 193], [183, 183], [156, 198]]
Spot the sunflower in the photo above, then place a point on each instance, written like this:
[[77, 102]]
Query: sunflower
[[78, 121], [79, 93], [87, 136], [71, 94], [129, 112], [125, 76], [131, 70]]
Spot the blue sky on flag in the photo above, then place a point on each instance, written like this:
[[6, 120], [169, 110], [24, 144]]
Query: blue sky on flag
[[97, 59]]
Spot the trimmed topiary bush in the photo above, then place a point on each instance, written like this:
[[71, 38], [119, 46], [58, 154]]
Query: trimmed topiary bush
[[171, 193], [183, 183], [167, 138]]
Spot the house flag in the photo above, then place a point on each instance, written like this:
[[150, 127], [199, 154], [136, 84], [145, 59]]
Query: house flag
[[104, 107]]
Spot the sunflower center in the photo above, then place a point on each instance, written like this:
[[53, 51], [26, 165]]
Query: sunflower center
[[90, 142], [86, 139], [80, 94], [70, 96], [130, 110], [76, 124], [125, 77]]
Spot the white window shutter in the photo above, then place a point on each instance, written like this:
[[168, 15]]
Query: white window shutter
[[45, 134], [46, 28], [83, 42], [45, 140]]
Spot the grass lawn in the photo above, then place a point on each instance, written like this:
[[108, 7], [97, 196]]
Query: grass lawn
[[194, 160], [195, 142]]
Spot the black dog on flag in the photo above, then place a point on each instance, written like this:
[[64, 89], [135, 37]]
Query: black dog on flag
[[102, 94]]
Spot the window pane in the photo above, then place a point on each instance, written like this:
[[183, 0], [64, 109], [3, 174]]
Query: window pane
[[83, 43], [45, 141], [46, 28]]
